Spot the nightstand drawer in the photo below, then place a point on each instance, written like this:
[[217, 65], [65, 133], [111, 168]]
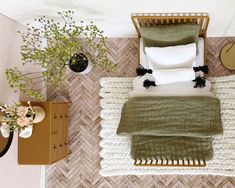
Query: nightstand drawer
[[65, 130], [55, 118], [54, 147]]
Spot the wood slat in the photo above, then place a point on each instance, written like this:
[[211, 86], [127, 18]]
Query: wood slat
[[146, 19]]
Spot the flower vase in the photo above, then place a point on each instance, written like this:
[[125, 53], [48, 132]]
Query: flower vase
[[5, 131], [39, 114], [26, 132]]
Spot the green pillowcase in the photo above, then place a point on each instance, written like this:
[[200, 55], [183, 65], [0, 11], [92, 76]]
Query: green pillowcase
[[169, 35]]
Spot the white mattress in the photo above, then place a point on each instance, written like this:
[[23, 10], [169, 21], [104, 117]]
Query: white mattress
[[199, 60]]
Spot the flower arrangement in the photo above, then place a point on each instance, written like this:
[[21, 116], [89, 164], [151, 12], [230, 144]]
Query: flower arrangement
[[17, 117]]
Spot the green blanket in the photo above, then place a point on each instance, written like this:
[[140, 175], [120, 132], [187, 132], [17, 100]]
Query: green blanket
[[171, 116], [171, 127], [173, 148]]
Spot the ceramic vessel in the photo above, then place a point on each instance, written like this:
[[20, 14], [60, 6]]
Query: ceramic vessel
[[39, 114], [5, 131], [26, 132], [80, 64]]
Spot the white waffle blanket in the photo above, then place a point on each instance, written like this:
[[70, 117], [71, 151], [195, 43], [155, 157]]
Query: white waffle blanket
[[115, 150]]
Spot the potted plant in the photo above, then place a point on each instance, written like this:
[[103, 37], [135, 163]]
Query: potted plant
[[56, 45], [20, 118]]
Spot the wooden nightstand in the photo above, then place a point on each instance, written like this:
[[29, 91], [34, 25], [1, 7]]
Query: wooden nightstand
[[49, 141]]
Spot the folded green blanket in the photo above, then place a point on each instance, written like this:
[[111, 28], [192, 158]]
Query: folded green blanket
[[192, 116], [171, 148]]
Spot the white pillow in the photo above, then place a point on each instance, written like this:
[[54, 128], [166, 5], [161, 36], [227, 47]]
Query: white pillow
[[177, 89], [171, 57], [168, 76], [199, 61]]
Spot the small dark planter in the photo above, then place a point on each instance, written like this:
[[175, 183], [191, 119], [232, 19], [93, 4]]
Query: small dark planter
[[78, 62]]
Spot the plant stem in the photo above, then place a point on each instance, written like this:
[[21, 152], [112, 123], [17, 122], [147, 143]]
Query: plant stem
[[33, 73]]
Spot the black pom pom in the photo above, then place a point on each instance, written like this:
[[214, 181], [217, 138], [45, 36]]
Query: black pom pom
[[204, 69], [148, 83], [142, 71], [200, 82]]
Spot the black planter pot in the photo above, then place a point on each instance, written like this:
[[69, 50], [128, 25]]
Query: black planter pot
[[78, 62]]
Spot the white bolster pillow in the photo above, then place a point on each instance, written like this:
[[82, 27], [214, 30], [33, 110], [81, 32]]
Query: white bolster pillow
[[180, 87], [168, 76], [174, 89]]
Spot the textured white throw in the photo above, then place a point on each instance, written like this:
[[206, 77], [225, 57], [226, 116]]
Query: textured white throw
[[115, 150]]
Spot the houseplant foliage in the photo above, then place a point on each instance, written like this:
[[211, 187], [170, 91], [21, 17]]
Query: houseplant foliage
[[62, 40]]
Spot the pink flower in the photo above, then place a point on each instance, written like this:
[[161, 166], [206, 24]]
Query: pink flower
[[22, 111], [22, 122]]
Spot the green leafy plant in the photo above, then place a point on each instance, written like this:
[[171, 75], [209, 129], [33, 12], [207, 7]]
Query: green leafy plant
[[51, 45]]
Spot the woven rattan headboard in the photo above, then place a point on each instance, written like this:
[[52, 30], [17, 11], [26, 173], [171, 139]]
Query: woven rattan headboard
[[154, 19]]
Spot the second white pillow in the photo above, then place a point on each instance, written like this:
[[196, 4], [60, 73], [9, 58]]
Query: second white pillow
[[181, 56]]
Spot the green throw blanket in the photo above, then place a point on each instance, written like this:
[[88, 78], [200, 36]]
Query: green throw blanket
[[173, 148], [175, 127]]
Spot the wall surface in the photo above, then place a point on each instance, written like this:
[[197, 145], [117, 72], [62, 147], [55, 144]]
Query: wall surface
[[13, 175], [113, 16]]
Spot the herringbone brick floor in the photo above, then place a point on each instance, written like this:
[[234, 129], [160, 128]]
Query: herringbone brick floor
[[81, 168]]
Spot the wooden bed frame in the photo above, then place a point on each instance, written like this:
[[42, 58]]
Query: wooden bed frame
[[155, 19]]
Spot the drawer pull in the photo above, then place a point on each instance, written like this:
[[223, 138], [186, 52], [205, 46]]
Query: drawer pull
[[61, 116], [54, 146], [55, 116], [66, 143], [65, 116], [61, 145]]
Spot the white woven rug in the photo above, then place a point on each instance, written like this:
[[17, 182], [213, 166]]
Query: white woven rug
[[115, 150]]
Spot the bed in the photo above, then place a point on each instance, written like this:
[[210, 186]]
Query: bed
[[143, 24], [146, 26]]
